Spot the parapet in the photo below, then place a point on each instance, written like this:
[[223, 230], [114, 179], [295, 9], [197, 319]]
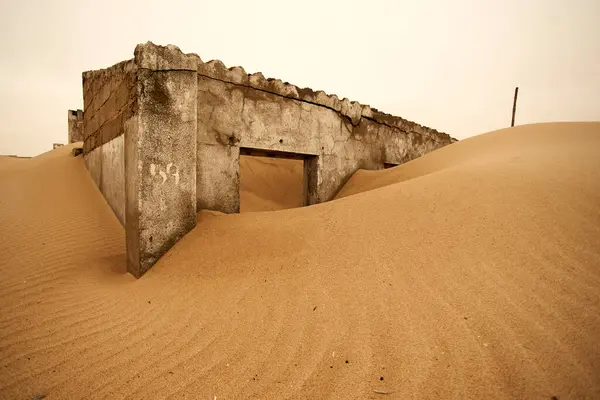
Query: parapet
[[352, 110]]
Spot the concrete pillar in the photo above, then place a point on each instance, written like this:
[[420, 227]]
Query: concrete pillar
[[312, 176], [75, 121], [160, 155]]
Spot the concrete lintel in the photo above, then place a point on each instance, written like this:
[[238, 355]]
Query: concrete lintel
[[256, 152]]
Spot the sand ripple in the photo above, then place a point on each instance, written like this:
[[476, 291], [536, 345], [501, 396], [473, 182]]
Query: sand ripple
[[473, 272]]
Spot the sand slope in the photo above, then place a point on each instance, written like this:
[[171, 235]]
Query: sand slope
[[269, 184], [477, 275]]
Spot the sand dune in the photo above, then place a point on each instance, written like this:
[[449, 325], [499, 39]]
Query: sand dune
[[269, 184], [473, 272], [9, 161]]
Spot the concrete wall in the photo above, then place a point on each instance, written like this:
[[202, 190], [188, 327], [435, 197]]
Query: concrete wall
[[160, 155], [75, 122], [106, 165], [236, 110], [163, 134], [109, 97]]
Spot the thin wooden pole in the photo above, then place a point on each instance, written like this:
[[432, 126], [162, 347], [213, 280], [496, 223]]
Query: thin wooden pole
[[512, 122]]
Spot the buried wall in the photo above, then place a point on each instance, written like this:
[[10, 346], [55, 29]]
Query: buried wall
[[160, 155], [140, 147], [109, 100], [163, 135], [237, 112]]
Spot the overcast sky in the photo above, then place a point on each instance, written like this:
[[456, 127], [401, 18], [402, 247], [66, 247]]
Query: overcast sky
[[450, 65]]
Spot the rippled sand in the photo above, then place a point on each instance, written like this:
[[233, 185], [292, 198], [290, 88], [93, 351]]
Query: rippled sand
[[472, 272]]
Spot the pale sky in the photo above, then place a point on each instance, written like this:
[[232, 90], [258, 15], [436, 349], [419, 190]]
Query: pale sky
[[450, 65]]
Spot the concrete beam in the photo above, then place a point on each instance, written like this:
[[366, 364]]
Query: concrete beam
[[160, 155]]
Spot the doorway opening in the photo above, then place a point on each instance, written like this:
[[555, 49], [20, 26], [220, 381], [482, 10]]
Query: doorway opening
[[272, 180]]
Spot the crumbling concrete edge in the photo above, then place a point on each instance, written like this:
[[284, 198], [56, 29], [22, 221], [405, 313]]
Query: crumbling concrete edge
[[354, 111], [165, 59], [97, 138]]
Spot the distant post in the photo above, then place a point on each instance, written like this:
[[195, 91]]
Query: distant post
[[512, 122]]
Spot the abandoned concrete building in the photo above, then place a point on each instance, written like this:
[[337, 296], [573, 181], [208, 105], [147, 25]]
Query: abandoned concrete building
[[164, 131]]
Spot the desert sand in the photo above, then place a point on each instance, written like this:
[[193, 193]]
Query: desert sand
[[472, 272], [269, 184]]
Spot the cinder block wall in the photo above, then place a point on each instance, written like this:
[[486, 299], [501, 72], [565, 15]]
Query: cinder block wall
[[163, 134], [109, 97]]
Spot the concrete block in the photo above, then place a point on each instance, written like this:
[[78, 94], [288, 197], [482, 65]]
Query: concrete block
[[103, 114], [122, 95], [88, 95], [111, 129], [92, 126], [110, 106], [104, 93], [127, 112]]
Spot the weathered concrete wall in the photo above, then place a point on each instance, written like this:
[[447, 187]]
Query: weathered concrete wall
[[218, 178], [106, 165], [75, 122], [160, 155], [93, 163], [236, 110], [109, 98], [163, 134]]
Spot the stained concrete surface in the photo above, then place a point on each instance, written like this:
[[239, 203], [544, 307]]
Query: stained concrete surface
[[163, 134], [106, 165], [160, 157]]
